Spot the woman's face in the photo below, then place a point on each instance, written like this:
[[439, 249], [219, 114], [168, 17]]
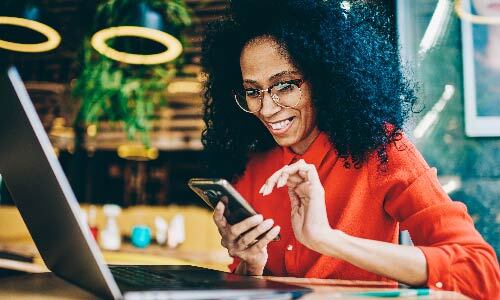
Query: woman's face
[[264, 64], [489, 8]]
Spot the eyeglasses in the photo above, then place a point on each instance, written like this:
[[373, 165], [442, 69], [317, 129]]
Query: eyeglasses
[[286, 94]]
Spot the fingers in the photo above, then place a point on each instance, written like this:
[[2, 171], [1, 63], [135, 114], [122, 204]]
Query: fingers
[[237, 229], [218, 216], [271, 181], [294, 199], [293, 174], [293, 180], [282, 180], [267, 238], [249, 238]]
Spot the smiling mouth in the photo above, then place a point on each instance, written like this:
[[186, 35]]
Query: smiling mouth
[[280, 126]]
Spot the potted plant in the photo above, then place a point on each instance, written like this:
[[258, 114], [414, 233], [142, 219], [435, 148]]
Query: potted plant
[[123, 93]]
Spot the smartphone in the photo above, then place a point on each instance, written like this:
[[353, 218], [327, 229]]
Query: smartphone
[[213, 190]]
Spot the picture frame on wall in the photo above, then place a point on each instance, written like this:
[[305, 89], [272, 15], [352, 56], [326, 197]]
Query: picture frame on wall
[[481, 67]]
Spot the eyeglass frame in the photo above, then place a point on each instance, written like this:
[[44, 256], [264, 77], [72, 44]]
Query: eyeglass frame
[[298, 82]]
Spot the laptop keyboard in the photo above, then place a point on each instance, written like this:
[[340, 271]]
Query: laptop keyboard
[[145, 279]]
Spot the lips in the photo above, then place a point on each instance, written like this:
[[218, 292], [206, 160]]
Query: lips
[[281, 126]]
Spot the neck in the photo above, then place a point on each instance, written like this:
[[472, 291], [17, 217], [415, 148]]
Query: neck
[[492, 53], [300, 148]]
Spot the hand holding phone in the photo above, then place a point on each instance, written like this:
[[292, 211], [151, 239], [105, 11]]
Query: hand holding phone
[[213, 190], [244, 233]]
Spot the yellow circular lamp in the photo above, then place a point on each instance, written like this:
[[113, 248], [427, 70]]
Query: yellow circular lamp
[[53, 37], [173, 45], [475, 19]]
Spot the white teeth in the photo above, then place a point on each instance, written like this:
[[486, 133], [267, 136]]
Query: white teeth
[[280, 125]]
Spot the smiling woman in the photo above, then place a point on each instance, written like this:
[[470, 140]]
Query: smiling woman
[[330, 46], [309, 95], [287, 109]]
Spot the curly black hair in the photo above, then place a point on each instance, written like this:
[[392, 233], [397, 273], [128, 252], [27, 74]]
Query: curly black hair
[[346, 50]]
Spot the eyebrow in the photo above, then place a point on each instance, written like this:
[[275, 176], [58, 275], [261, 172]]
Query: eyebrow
[[288, 72]]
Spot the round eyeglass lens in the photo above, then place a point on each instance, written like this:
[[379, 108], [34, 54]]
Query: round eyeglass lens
[[287, 96], [248, 104]]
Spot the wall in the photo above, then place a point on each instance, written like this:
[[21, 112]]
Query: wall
[[472, 163]]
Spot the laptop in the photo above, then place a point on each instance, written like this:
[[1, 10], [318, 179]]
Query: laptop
[[42, 193]]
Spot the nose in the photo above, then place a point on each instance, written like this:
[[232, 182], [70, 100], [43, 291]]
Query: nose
[[269, 107]]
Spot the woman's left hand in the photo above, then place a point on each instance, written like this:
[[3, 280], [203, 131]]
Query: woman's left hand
[[307, 196]]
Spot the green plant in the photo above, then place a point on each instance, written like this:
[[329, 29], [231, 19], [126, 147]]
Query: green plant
[[119, 92]]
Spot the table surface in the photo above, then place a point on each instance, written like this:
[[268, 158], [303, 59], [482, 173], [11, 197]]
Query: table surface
[[45, 285], [48, 286]]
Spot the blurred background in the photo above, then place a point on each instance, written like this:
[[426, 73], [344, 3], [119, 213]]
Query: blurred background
[[127, 128]]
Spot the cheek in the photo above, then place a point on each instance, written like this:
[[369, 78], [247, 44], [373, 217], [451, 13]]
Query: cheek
[[307, 109], [309, 114]]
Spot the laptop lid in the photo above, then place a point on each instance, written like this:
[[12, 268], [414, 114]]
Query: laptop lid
[[43, 195]]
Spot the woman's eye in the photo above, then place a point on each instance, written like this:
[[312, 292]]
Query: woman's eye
[[251, 93], [284, 87]]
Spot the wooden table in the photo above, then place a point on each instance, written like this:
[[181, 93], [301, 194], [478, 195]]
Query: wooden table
[[45, 285], [128, 255], [48, 286]]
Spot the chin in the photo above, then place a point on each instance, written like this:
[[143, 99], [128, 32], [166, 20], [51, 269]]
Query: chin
[[284, 141]]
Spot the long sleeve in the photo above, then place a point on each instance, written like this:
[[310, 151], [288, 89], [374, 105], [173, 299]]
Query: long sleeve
[[457, 256], [232, 266]]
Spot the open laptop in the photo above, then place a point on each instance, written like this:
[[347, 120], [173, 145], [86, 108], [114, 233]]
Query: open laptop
[[51, 212]]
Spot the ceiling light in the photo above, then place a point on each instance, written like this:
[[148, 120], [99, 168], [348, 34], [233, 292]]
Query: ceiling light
[[173, 45], [53, 37]]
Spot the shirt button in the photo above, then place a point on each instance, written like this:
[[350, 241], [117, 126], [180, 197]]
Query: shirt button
[[289, 247], [439, 285]]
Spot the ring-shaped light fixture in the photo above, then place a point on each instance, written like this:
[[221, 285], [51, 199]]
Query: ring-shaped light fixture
[[53, 37], [174, 47], [475, 19]]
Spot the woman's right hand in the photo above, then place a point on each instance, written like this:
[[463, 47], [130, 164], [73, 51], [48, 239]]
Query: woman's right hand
[[241, 239]]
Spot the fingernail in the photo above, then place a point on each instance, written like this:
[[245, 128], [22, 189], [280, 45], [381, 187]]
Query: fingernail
[[269, 190], [269, 222], [261, 189], [280, 181], [266, 192]]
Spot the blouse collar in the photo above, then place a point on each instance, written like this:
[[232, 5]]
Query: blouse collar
[[313, 155]]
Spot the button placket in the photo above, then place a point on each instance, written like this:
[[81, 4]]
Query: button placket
[[291, 258]]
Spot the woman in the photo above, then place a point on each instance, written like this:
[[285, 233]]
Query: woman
[[305, 104]]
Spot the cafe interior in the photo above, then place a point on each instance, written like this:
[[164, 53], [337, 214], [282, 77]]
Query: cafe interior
[[118, 87]]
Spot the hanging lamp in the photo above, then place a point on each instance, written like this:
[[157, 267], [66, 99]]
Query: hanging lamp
[[149, 26], [29, 18]]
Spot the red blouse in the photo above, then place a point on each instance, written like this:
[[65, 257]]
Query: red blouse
[[376, 205]]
